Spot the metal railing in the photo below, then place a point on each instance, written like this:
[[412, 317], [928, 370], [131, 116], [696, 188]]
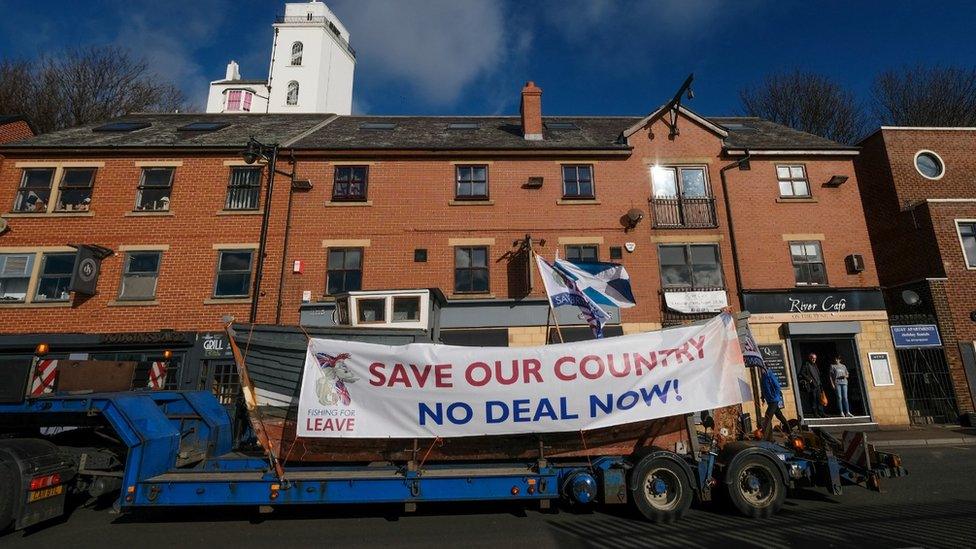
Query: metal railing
[[317, 19], [683, 212]]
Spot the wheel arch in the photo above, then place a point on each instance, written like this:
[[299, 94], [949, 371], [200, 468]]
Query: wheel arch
[[734, 453], [659, 453]]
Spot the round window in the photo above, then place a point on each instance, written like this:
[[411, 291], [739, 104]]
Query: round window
[[929, 164]]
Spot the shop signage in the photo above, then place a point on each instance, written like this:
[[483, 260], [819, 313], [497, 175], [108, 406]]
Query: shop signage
[[916, 335], [696, 302], [84, 279], [150, 338], [813, 302], [215, 345], [775, 360]]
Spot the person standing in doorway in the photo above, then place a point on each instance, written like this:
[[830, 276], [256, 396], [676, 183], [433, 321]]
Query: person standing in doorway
[[838, 380], [811, 386], [772, 395]]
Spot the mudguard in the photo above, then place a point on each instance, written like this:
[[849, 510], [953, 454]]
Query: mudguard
[[732, 453]]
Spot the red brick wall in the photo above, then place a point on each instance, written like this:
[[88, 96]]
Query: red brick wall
[[15, 131]]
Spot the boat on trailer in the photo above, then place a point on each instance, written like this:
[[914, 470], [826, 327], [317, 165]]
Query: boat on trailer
[[274, 357]]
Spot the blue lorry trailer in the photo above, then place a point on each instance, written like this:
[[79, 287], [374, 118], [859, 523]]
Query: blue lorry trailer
[[175, 449]]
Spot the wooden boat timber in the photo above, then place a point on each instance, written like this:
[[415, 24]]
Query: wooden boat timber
[[274, 358]]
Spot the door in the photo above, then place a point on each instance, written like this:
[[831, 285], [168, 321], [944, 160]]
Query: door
[[825, 349], [927, 385]]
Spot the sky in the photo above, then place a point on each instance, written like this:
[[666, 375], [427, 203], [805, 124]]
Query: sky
[[592, 57]]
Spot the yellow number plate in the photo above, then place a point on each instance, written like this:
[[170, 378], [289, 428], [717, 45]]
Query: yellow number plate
[[45, 493]]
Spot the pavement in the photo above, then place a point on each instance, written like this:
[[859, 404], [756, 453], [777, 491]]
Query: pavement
[[923, 435], [934, 506]]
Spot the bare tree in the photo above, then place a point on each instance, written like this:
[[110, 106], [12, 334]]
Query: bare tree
[[926, 96], [807, 102], [83, 86]]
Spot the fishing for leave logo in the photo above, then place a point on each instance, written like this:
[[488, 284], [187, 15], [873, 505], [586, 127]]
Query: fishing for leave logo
[[428, 390]]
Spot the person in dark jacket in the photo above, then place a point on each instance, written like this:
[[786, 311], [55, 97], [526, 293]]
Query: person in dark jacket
[[811, 386], [772, 395]]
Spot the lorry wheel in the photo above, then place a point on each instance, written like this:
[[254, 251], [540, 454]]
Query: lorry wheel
[[660, 490], [755, 487], [7, 490]]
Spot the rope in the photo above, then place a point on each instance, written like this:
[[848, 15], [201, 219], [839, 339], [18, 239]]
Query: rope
[[585, 449], [429, 450]]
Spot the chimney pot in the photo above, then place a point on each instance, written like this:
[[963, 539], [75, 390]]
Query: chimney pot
[[531, 110], [233, 71]]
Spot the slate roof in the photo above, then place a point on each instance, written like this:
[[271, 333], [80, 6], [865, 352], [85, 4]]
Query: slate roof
[[163, 131], [345, 133]]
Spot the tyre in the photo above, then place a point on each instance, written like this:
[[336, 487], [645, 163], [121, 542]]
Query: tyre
[[8, 491], [755, 487], [660, 489]]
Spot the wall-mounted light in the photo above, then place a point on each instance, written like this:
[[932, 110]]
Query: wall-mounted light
[[301, 185], [41, 349], [910, 298], [836, 181], [167, 354]]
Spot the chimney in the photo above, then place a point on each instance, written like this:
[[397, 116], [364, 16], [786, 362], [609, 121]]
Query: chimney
[[531, 112], [233, 71]]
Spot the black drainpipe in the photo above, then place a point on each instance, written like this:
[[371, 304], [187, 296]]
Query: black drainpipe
[[742, 164], [284, 253]]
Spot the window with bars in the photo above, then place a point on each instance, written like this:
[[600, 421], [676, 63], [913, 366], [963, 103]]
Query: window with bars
[[55, 277], [471, 183], [15, 274], [292, 98], [244, 189], [808, 264], [139, 276], [578, 181], [35, 190], [967, 237], [471, 270], [345, 270], [582, 253], [690, 266], [155, 186], [350, 183], [75, 190], [233, 273], [296, 53], [793, 181]]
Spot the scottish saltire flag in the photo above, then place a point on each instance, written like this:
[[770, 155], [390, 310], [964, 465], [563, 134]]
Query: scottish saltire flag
[[604, 283], [563, 291]]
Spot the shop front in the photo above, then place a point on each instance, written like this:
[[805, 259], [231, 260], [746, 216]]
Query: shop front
[[813, 338]]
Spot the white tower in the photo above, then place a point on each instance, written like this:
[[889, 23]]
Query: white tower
[[311, 68], [311, 62]]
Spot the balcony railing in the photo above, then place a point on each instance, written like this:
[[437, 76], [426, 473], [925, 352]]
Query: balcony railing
[[683, 212], [317, 19]]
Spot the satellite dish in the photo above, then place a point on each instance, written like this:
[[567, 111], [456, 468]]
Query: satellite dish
[[910, 298]]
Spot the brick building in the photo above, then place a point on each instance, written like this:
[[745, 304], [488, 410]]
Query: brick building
[[921, 184], [15, 128], [452, 203]]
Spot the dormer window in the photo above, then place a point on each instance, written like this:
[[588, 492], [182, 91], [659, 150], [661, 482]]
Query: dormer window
[[292, 98], [296, 54], [239, 101]]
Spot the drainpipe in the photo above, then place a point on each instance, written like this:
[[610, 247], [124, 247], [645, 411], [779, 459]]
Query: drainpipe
[[262, 243], [284, 253], [742, 164]]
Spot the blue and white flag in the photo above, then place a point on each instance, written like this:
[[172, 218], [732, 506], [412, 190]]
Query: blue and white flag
[[604, 283], [563, 291]]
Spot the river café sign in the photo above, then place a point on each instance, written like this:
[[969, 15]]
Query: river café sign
[[801, 301]]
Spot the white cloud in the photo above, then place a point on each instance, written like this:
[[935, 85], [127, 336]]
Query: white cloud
[[437, 46]]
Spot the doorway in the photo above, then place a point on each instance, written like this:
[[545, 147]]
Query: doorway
[[825, 349]]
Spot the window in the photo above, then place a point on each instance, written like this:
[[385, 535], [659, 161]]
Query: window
[[296, 53], [238, 100], [967, 235], [792, 181], [420, 255], [233, 273], [350, 183], [292, 98], [246, 106], [15, 273], [471, 270], [74, 193], [35, 190], [345, 270], [582, 253], [578, 181], [154, 189], [406, 309], [56, 269], [371, 310], [692, 266], [244, 189], [472, 183], [139, 276], [929, 164], [681, 197], [808, 264]]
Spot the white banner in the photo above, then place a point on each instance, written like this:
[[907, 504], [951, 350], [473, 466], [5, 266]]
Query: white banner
[[363, 390], [711, 301]]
